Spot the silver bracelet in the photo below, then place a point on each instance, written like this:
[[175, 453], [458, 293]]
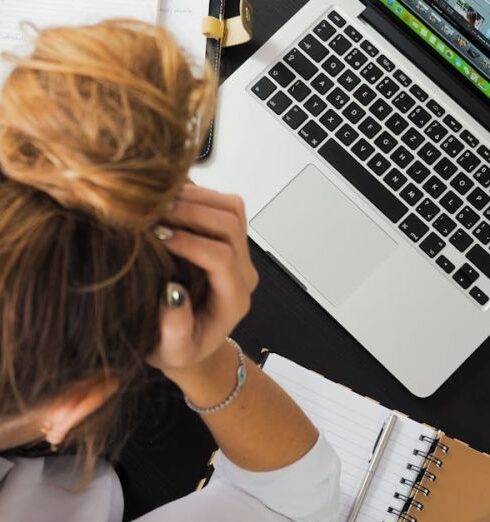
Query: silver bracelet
[[240, 383]]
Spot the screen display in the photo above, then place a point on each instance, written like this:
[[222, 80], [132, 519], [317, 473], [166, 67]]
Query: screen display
[[446, 38]]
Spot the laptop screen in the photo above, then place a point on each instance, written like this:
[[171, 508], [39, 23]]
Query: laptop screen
[[458, 30]]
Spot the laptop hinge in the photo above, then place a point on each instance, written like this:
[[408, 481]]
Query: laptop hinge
[[454, 86]]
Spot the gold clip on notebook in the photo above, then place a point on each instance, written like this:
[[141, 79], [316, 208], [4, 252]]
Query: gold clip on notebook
[[424, 476]]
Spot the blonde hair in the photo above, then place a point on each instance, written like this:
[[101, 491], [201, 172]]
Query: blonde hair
[[98, 129]]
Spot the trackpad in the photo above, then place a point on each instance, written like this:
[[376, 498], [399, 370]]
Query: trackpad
[[320, 232]]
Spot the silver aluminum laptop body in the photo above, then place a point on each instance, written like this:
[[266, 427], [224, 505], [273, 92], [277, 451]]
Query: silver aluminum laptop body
[[350, 258]]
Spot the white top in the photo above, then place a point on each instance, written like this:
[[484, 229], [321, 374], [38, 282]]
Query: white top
[[42, 490]]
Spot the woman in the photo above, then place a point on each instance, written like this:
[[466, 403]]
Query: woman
[[109, 259]]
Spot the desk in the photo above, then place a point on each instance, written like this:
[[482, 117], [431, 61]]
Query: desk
[[287, 321]]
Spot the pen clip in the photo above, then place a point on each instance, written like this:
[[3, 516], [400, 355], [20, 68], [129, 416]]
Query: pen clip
[[377, 441]]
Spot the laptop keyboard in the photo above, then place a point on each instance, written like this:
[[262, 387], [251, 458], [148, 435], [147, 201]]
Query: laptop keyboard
[[396, 145]]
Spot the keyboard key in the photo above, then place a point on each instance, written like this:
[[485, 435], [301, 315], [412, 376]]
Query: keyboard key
[[263, 88], [363, 149], [428, 209], [403, 102], [402, 157], [429, 154], [478, 198], [432, 245], [387, 87], [445, 168], [395, 179], [482, 175], [467, 217], [371, 73], [469, 161], [295, 117], [340, 44], [380, 109], [299, 90], [333, 66], [324, 30], [364, 95], [322, 84], [402, 78], [379, 164], [462, 183], [386, 142], [436, 131], [484, 152], [418, 172], [479, 296], [414, 228], [419, 93], [313, 134], [480, 258], [452, 123], [445, 264], [451, 202], [444, 224], [452, 146], [349, 81], [356, 59], [281, 74], [298, 61], [469, 139], [347, 135], [369, 48], [435, 108], [396, 124], [411, 194], [363, 181], [331, 120], [412, 139], [313, 48], [315, 105], [279, 102], [387, 64], [354, 113], [353, 34], [461, 240], [336, 19], [486, 214], [338, 98], [434, 187], [482, 232], [369, 127], [419, 117], [466, 276]]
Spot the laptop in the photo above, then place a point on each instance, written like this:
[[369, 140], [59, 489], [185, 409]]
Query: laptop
[[358, 137]]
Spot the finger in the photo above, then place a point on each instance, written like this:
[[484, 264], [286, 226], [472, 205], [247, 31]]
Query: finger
[[212, 198], [176, 327]]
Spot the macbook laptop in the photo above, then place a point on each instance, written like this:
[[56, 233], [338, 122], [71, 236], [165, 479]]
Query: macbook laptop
[[358, 137]]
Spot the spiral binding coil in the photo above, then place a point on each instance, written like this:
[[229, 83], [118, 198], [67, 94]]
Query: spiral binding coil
[[422, 472]]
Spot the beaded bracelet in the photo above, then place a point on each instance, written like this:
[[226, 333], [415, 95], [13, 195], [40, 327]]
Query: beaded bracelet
[[241, 380]]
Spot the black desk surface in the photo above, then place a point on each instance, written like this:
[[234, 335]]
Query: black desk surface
[[287, 321]]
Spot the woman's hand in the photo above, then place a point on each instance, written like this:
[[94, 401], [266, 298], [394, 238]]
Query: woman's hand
[[217, 244]]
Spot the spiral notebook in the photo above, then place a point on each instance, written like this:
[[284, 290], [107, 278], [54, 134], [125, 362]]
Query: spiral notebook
[[424, 476]]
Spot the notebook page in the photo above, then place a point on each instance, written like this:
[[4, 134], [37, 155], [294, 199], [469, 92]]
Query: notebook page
[[351, 423], [45, 13], [183, 18]]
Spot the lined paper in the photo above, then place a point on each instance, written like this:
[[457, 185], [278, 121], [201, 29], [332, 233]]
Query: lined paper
[[351, 423], [46, 13], [183, 18]]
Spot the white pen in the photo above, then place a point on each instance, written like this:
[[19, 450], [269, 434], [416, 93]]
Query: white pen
[[374, 460]]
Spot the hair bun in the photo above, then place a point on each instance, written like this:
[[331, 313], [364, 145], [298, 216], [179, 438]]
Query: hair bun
[[105, 119]]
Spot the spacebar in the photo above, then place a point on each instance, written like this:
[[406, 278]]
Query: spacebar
[[363, 181]]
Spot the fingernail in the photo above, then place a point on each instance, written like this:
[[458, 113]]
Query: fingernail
[[175, 295], [162, 233]]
